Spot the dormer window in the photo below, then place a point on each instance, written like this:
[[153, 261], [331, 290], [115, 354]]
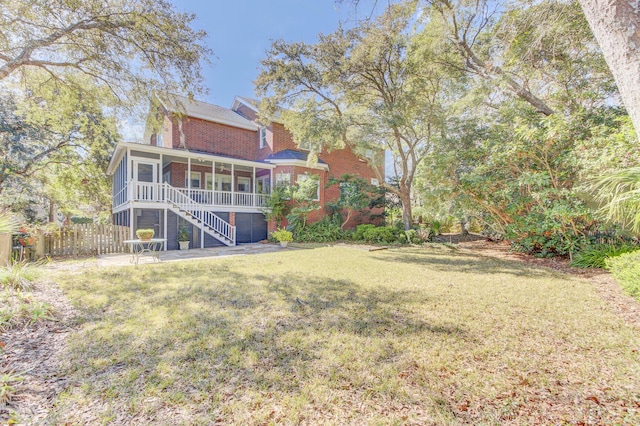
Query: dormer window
[[263, 137], [159, 139]]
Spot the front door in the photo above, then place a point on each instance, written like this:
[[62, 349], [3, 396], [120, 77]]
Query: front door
[[146, 177]]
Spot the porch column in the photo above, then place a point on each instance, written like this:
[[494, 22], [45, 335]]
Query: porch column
[[213, 181], [202, 237], [189, 174], [233, 185], [131, 222], [165, 232], [253, 197]]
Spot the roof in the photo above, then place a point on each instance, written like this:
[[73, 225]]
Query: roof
[[254, 104], [122, 147], [289, 154], [289, 157], [205, 111]]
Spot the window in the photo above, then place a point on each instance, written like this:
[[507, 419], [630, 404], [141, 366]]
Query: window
[[374, 182], [264, 185], [283, 179], [195, 179], [223, 183], [315, 189], [368, 153], [305, 146], [244, 184], [159, 139], [166, 177], [263, 137], [208, 181]]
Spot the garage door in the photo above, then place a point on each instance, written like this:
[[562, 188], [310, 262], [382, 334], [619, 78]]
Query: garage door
[[250, 227]]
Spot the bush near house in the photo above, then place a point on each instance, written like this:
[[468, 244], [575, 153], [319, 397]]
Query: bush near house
[[323, 231], [626, 269]]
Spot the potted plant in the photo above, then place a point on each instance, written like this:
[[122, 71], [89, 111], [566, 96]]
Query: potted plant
[[283, 236], [145, 234], [183, 237]]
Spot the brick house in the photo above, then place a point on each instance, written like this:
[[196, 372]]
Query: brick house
[[211, 168]]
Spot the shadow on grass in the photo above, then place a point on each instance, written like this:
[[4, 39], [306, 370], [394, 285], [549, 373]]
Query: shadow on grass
[[451, 261], [218, 330]]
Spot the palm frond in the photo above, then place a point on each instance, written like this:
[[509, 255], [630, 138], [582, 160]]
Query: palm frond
[[619, 194]]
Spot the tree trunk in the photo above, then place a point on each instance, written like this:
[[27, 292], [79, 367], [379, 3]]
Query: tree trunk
[[616, 26], [407, 220]]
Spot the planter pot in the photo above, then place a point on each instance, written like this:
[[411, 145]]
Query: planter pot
[[284, 244], [184, 245]]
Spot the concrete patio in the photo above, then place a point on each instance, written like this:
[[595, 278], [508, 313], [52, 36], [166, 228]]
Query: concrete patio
[[191, 254]]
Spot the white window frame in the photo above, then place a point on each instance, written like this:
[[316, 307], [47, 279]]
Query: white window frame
[[264, 185], [282, 181], [243, 180], [305, 146], [304, 176], [263, 136], [190, 181], [208, 181], [221, 180]]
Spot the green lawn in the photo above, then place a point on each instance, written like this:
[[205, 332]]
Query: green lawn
[[337, 335]]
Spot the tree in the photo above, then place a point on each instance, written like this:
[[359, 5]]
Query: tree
[[129, 47], [365, 89], [356, 194], [616, 26], [55, 147]]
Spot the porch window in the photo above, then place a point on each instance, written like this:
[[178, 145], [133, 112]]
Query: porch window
[[208, 181], [263, 185], [304, 177], [195, 179], [283, 179], [223, 183], [166, 177], [244, 184]]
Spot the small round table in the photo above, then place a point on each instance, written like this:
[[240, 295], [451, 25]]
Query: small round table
[[153, 246]]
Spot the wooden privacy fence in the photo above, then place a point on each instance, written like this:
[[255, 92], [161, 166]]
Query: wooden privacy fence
[[84, 239]]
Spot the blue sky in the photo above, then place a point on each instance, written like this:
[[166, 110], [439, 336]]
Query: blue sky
[[241, 31]]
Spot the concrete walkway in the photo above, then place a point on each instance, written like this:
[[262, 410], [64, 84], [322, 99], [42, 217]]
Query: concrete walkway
[[177, 255]]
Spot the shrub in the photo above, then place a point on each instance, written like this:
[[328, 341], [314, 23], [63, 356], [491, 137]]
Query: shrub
[[412, 236], [325, 230], [145, 233], [595, 256], [626, 269], [360, 231], [282, 235], [18, 275]]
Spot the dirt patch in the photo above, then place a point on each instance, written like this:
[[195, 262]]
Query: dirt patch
[[33, 353]]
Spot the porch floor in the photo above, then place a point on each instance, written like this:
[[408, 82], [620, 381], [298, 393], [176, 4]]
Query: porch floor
[[177, 255]]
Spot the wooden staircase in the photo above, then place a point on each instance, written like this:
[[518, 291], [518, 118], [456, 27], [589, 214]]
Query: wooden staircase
[[192, 212]]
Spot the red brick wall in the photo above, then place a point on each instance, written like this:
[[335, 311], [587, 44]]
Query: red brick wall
[[216, 138]]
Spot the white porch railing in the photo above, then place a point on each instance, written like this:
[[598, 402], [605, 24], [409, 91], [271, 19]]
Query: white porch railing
[[156, 192], [193, 212]]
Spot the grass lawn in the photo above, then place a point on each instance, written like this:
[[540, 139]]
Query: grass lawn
[[338, 335]]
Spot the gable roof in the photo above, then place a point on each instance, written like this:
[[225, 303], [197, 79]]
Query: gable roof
[[205, 111]]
